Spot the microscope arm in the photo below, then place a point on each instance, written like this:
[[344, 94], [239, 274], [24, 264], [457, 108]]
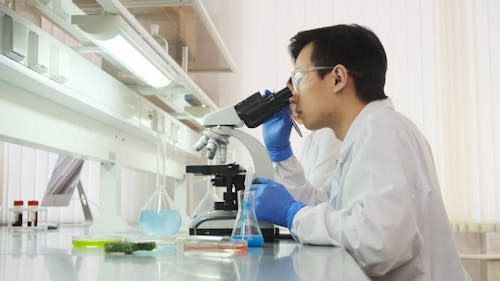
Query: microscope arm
[[262, 164]]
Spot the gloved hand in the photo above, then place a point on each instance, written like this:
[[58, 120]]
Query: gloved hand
[[273, 203], [276, 132]]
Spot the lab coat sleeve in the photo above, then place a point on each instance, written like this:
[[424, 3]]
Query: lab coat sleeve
[[290, 173], [377, 214]]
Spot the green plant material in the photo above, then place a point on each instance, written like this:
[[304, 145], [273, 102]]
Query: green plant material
[[145, 246], [128, 247]]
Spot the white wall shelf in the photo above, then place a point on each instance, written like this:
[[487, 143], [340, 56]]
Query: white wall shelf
[[193, 28], [90, 114]]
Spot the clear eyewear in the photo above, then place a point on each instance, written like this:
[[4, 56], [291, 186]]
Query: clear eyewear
[[299, 74]]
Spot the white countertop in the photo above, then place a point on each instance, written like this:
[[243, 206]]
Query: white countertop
[[51, 256]]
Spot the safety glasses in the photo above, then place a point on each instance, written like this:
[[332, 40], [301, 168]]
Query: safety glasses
[[301, 76]]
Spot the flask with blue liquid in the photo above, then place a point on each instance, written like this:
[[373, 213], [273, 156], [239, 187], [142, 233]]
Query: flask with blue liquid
[[246, 226], [159, 217]]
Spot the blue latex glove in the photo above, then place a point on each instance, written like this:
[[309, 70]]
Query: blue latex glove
[[273, 203], [276, 132]]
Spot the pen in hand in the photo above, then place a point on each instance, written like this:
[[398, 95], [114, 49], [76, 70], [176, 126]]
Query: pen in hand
[[295, 126]]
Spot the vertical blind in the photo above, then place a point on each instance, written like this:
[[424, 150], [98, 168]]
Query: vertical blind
[[469, 71]]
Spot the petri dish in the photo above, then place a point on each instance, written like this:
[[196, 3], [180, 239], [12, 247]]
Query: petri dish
[[94, 240], [222, 247]]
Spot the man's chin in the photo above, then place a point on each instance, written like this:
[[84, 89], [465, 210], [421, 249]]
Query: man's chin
[[309, 125]]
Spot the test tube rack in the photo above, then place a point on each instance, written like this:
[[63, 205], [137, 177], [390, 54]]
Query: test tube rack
[[14, 224]]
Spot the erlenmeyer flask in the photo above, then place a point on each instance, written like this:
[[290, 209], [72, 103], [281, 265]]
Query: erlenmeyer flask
[[159, 217], [207, 203], [246, 227]]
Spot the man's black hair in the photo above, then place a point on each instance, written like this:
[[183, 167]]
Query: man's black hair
[[355, 47]]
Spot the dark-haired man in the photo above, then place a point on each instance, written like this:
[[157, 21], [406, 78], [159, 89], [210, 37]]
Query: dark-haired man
[[384, 205]]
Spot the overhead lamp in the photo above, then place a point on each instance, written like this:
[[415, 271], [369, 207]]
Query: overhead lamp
[[113, 34]]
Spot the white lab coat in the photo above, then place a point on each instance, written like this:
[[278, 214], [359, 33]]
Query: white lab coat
[[384, 205], [320, 152]]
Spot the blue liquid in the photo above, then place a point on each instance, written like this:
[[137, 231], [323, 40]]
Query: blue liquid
[[253, 240], [162, 223]]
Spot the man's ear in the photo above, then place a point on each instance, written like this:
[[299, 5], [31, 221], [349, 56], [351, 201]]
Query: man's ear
[[339, 80]]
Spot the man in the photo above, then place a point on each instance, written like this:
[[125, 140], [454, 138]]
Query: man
[[384, 205]]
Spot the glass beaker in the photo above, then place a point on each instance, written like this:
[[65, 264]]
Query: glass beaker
[[246, 227], [159, 217], [207, 203]]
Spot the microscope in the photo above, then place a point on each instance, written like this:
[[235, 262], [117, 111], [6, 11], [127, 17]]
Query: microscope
[[219, 126]]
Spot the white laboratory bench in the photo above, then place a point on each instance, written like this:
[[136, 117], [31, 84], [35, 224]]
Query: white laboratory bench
[[50, 256]]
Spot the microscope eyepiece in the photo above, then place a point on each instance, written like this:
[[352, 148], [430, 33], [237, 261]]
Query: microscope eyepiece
[[257, 109]]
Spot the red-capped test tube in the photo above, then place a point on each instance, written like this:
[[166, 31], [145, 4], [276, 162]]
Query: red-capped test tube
[[17, 216], [32, 213]]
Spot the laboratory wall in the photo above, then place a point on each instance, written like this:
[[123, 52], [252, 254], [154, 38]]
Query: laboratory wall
[[442, 69]]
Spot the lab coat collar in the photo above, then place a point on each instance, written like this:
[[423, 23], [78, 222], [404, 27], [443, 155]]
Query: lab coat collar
[[358, 123]]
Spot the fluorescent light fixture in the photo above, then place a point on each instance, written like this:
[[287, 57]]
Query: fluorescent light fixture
[[124, 45], [128, 56]]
